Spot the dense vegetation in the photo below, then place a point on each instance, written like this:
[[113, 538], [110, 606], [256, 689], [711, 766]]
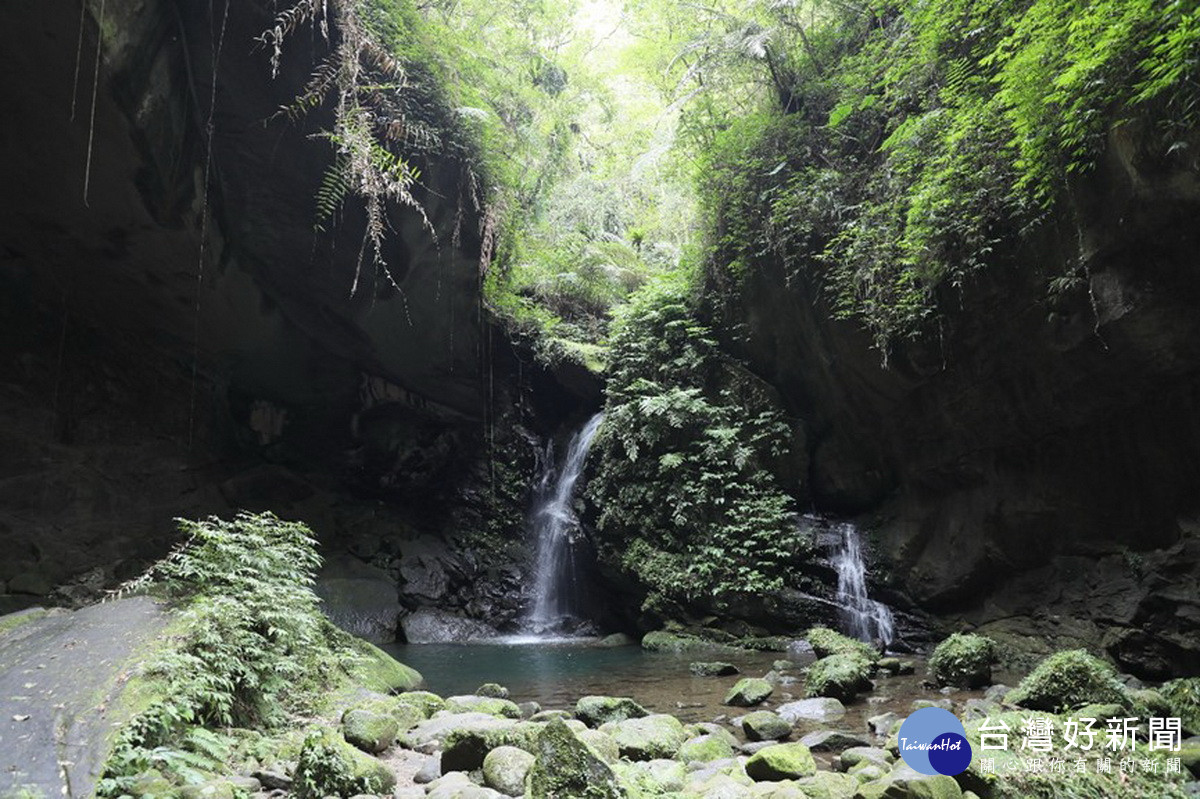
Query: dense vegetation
[[249, 652], [684, 486]]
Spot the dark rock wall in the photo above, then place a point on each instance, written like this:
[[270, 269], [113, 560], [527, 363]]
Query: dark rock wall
[[178, 346], [1032, 465]]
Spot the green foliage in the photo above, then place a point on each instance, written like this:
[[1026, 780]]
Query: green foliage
[[688, 503], [1067, 680], [328, 766], [251, 647], [963, 660], [1183, 697], [921, 134]]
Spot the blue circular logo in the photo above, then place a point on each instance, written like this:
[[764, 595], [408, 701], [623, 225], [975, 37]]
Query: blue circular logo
[[933, 741]]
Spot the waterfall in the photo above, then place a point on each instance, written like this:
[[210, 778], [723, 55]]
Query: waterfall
[[866, 619], [556, 529]]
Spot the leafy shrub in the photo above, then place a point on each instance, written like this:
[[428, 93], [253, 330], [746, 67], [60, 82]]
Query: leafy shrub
[[1183, 696], [687, 501], [1067, 680], [252, 644], [963, 660]]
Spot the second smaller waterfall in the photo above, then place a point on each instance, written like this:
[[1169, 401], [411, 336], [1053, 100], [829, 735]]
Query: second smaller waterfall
[[555, 528], [866, 619]]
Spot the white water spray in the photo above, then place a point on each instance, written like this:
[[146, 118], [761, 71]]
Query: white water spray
[[866, 619], [556, 528]]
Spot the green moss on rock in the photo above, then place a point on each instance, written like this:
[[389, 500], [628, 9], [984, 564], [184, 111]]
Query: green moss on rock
[[704, 748], [505, 769], [838, 676], [376, 670], [963, 660], [781, 762], [328, 766], [501, 708], [369, 731], [655, 736], [1067, 680], [749, 692], [763, 725], [826, 642], [597, 710], [566, 767]]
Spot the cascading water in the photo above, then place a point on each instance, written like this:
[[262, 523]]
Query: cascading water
[[866, 619], [556, 529]]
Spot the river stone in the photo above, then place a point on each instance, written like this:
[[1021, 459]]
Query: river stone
[[327, 765], [615, 640], [435, 730], [838, 676], [457, 785], [492, 690], [596, 710], [763, 725], [465, 749], [944, 704], [505, 768], [370, 732], [428, 703], [212, 789], [817, 709], [601, 743], [703, 749], [483, 704], [833, 740], [720, 786], [430, 771], [749, 692], [997, 692], [551, 715], [884, 723], [976, 709], [851, 757], [529, 709], [566, 767], [781, 762], [828, 785], [867, 771], [904, 781], [753, 747], [713, 668], [649, 738], [651, 777]]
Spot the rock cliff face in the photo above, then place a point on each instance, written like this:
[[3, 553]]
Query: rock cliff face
[[178, 340], [1035, 467]]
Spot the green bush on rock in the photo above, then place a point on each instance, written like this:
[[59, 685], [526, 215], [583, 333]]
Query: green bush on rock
[[328, 766], [963, 661], [1068, 680]]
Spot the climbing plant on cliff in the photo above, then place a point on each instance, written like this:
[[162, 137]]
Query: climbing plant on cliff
[[918, 136], [687, 501]]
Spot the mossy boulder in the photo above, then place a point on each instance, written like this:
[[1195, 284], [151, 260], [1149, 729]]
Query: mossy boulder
[[963, 660], [849, 758], [904, 782], [828, 785], [376, 670], [712, 668], [781, 762], [426, 702], [651, 778], [601, 743], [483, 704], [596, 710], [663, 641], [566, 767], [763, 725], [369, 731], [214, 789], [704, 749], [466, 749], [749, 692], [826, 642], [838, 676], [328, 766], [822, 709], [833, 740], [492, 690], [655, 736], [1068, 680], [505, 769]]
